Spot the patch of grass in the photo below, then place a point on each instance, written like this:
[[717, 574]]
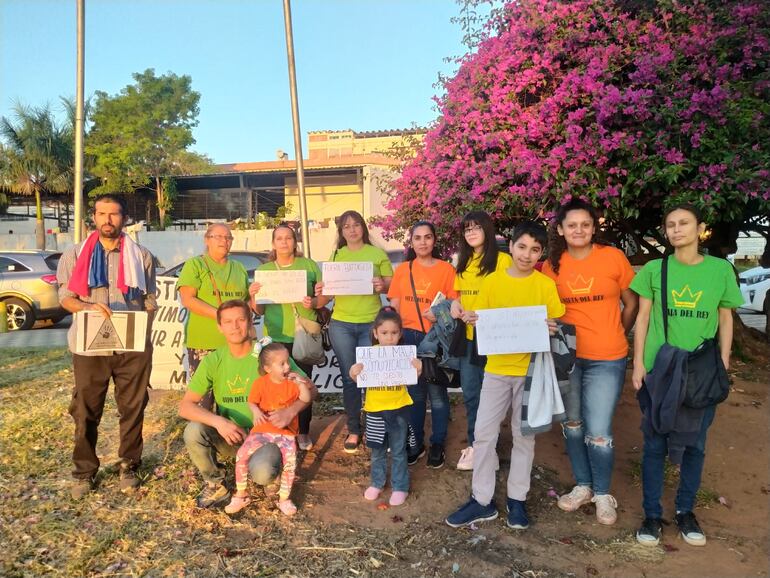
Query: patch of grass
[[706, 497], [20, 365]]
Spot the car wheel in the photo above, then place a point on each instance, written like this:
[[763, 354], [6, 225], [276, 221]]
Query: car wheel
[[20, 314]]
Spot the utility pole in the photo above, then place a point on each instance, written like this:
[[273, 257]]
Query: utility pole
[[297, 132], [79, 122]]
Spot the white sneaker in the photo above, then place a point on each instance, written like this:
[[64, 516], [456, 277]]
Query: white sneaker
[[465, 463], [605, 509], [577, 497]]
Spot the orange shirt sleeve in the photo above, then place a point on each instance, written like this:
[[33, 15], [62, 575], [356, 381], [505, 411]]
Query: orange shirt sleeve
[[449, 287], [626, 271]]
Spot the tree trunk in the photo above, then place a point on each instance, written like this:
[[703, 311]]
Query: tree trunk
[[161, 204], [39, 223]]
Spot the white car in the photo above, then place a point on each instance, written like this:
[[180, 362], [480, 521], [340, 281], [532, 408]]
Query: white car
[[755, 287]]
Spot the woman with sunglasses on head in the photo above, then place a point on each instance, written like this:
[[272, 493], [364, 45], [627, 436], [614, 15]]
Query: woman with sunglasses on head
[[205, 282], [279, 318], [593, 281], [701, 292], [478, 256], [415, 285], [353, 315]]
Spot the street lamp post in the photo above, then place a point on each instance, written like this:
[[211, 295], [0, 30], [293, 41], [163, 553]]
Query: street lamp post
[[297, 132], [79, 122]]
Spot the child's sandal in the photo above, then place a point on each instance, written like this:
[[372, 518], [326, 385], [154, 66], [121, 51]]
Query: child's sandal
[[287, 507], [237, 503]]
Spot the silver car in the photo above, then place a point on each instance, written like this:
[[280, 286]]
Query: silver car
[[28, 287]]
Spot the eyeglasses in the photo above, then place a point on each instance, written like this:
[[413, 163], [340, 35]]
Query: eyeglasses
[[472, 229], [227, 238]]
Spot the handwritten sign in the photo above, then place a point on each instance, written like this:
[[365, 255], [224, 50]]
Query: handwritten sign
[[512, 330], [386, 366], [169, 356], [280, 287], [348, 278], [122, 331]]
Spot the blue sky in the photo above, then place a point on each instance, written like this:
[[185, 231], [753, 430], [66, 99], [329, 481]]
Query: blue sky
[[361, 64]]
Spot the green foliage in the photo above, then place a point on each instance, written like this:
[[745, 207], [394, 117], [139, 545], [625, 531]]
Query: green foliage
[[264, 221], [143, 134], [38, 152]]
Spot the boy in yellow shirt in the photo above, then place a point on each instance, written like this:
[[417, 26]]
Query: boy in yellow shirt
[[520, 285]]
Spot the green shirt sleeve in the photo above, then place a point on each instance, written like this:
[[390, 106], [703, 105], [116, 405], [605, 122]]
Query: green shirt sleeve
[[190, 274], [732, 297], [383, 267], [642, 282], [202, 380]]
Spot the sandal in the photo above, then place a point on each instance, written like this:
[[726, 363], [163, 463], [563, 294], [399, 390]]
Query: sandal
[[287, 507], [237, 503], [351, 445]]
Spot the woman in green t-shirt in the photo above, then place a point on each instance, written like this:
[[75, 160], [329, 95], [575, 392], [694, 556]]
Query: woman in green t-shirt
[[351, 324], [204, 283], [702, 291], [279, 318]]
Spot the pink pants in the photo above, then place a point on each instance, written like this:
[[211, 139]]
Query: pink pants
[[288, 448]]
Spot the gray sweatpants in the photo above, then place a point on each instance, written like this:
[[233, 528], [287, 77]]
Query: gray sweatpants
[[498, 394]]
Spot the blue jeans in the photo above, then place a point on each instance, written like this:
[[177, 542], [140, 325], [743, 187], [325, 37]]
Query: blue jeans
[[399, 470], [439, 402], [204, 445], [653, 462], [594, 390], [471, 377], [345, 337]]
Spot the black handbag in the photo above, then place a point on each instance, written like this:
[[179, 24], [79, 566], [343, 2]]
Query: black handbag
[[324, 316], [432, 372], [707, 380]]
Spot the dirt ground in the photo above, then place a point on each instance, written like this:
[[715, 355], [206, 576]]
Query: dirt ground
[[159, 532], [732, 505]]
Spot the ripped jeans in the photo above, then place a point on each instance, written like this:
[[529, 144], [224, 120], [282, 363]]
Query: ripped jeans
[[595, 387]]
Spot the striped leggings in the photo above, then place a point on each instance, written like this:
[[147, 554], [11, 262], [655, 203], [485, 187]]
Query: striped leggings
[[288, 448]]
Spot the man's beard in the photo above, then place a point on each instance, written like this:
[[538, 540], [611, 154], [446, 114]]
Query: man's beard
[[113, 234]]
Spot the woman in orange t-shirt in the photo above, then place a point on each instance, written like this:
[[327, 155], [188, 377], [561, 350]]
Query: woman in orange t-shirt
[[431, 275], [592, 281]]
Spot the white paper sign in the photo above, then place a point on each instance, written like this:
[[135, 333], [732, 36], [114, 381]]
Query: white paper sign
[[169, 356], [386, 366], [348, 278], [280, 287], [123, 331], [512, 330]]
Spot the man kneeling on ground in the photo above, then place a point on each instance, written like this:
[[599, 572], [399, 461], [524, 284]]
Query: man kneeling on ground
[[229, 372]]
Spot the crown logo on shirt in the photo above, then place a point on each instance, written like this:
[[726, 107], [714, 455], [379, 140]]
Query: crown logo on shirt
[[422, 287], [686, 298], [236, 386], [580, 286]]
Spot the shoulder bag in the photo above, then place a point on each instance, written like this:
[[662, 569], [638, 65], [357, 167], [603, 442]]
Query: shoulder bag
[[308, 343]]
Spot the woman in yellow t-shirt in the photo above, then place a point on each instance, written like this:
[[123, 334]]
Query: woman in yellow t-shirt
[[593, 280], [479, 256], [352, 318]]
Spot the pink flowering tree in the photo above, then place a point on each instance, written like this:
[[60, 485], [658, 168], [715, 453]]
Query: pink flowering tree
[[632, 109]]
